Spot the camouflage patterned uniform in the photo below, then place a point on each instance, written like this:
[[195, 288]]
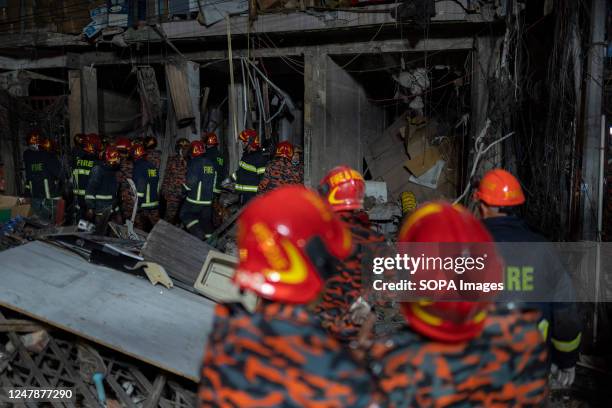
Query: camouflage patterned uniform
[[172, 186], [504, 366], [127, 197], [278, 357], [279, 171], [345, 287]]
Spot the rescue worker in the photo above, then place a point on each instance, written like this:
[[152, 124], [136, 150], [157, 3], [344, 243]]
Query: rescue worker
[[126, 195], [342, 309], [43, 171], [196, 212], [101, 192], [279, 356], [174, 178], [83, 164], [499, 196], [298, 162], [146, 179], [251, 167], [461, 352], [280, 170], [211, 141], [153, 155], [78, 139]]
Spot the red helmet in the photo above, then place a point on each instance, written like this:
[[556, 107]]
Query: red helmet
[[277, 236], [284, 149], [211, 139], [46, 144], [181, 144], [95, 139], [123, 145], [89, 147], [138, 151], [33, 139], [111, 156], [150, 142], [79, 139], [197, 148], [344, 188], [500, 188], [250, 137], [441, 222]]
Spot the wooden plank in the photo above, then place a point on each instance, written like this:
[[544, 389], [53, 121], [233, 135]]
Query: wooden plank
[[89, 89], [74, 103], [164, 328], [16, 325], [179, 92], [180, 253], [158, 386]]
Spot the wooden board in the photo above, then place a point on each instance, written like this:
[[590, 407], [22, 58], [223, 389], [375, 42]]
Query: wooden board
[[180, 253], [164, 328], [179, 92]]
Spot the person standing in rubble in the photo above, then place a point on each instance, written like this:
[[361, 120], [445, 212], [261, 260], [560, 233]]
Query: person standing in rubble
[[343, 309], [499, 196], [251, 167], [101, 192], [43, 172], [196, 212], [55, 179], [126, 195], [279, 356], [176, 170], [146, 179], [460, 351], [280, 170], [211, 141], [153, 155], [84, 162]]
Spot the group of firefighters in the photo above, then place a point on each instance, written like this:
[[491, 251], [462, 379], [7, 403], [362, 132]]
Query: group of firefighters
[[311, 341], [120, 179]]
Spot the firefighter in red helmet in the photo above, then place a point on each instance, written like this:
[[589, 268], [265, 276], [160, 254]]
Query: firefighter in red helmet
[[153, 154], [251, 167], [84, 163], [146, 179], [280, 170], [174, 178], [279, 355], [450, 351], [101, 193]]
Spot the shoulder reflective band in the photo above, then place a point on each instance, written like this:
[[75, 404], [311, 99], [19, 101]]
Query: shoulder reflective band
[[543, 327], [192, 223], [103, 197], [47, 192], [90, 197], [244, 187], [247, 166], [261, 170], [78, 192], [567, 346], [149, 205]]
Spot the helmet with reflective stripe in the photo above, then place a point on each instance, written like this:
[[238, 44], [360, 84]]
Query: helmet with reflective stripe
[[460, 235], [343, 188], [33, 139], [250, 137], [499, 188], [211, 139], [138, 151], [285, 238], [197, 148], [123, 145], [95, 139], [111, 156], [284, 149]]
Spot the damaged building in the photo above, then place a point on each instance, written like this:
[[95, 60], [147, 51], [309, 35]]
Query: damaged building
[[421, 98]]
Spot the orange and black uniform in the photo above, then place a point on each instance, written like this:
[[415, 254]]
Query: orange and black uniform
[[345, 287], [504, 366], [126, 169], [279, 171], [171, 189], [278, 357]]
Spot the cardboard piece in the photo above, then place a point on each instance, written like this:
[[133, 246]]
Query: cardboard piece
[[430, 178], [11, 207], [422, 157]]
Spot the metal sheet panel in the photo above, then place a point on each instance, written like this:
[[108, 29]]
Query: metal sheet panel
[[165, 328]]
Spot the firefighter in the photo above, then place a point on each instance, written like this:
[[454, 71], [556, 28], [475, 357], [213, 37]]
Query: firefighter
[[342, 309], [126, 196], [196, 212], [174, 178], [461, 352], [153, 155], [211, 141], [279, 355], [101, 192], [43, 172], [251, 167], [77, 148], [146, 179], [499, 196], [280, 170], [81, 169]]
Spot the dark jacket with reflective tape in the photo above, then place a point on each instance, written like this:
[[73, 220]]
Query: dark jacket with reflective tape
[[212, 154], [81, 170], [43, 172], [200, 181], [251, 169], [146, 179], [560, 324], [102, 188]]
